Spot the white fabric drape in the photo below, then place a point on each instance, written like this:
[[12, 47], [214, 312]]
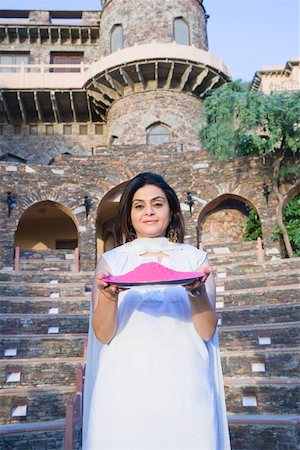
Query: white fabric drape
[[157, 385]]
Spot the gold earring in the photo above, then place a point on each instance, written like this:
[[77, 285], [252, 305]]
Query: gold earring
[[172, 235], [132, 234]]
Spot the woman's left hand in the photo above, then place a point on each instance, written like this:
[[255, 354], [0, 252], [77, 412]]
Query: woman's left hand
[[196, 286]]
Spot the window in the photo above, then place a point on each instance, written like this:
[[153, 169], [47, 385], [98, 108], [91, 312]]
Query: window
[[83, 129], [13, 59], [99, 128], [33, 130], [49, 129], [17, 129], [116, 38], [67, 129], [66, 58], [158, 134], [181, 32]]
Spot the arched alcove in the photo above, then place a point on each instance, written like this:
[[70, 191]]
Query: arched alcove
[[158, 133], [47, 225], [224, 219], [106, 216]]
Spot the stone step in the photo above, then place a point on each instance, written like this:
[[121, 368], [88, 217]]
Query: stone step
[[230, 247], [262, 431], [44, 277], [246, 315], [49, 253], [231, 259], [259, 336], [266, 363], [244, 268], [258, 296], [261, 395], [34, 404], [13, 347], [44, 324], [39, 265], [38, 372], [41, 289], [259, 280], [44, 305]]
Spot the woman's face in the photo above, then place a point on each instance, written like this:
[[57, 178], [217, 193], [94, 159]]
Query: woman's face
[[150, 212]]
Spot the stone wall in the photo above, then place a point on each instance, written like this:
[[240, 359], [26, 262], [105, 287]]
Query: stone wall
[[129, 117], [152, 21], [42, 148], [69, 179]]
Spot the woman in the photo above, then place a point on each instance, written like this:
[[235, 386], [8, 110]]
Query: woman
[[153, 378]]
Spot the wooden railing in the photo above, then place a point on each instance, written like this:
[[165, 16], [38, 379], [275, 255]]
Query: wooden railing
[[74, 410], [75, 405]]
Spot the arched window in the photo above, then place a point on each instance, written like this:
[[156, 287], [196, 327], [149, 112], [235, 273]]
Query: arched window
[[158, 134], [181, 31], [116, 38]]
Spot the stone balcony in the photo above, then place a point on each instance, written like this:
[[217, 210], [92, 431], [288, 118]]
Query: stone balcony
[[29, 93]]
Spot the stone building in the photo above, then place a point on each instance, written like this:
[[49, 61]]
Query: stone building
[[279, 78], [88, 99]]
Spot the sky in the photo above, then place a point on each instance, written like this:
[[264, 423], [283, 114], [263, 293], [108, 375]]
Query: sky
[[246, 35]]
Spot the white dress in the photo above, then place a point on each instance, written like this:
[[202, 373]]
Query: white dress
[[157, 385]]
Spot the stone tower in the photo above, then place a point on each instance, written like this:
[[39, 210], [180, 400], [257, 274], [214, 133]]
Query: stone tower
[[154, 69]]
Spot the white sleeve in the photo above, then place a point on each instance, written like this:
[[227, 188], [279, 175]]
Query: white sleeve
[[102, 267], [209, 284]]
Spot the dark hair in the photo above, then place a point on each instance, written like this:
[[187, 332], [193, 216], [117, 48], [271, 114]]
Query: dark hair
[[124, 227]]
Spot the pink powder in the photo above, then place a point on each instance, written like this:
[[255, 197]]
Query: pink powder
[[152, 272]]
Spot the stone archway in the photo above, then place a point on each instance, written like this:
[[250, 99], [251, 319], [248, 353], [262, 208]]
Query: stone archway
[[223, 220], [47, 225]]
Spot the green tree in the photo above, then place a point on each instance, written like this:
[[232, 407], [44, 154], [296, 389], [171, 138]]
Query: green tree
[[238, 122], [291, 215], [252, 227]]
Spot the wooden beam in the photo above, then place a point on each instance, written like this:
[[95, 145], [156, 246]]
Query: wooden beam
[[185, 76], [73, 107], [115, 84], [170, 76], [211, 83], [156, 74], [22, 109], [198, 80], [140, 75], [111, 93], [6, 109], [37, 106], [127, 78], [89, 106], [99, 97], [54, 105]]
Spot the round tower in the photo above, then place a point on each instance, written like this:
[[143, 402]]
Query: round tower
[[150, 21], [154, 71]]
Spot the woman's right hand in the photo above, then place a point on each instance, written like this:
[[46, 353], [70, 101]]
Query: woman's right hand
[[108, 290]]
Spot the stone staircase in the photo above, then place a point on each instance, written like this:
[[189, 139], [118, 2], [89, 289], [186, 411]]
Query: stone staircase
[[44, 318], [44, 323], [258, 308]]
